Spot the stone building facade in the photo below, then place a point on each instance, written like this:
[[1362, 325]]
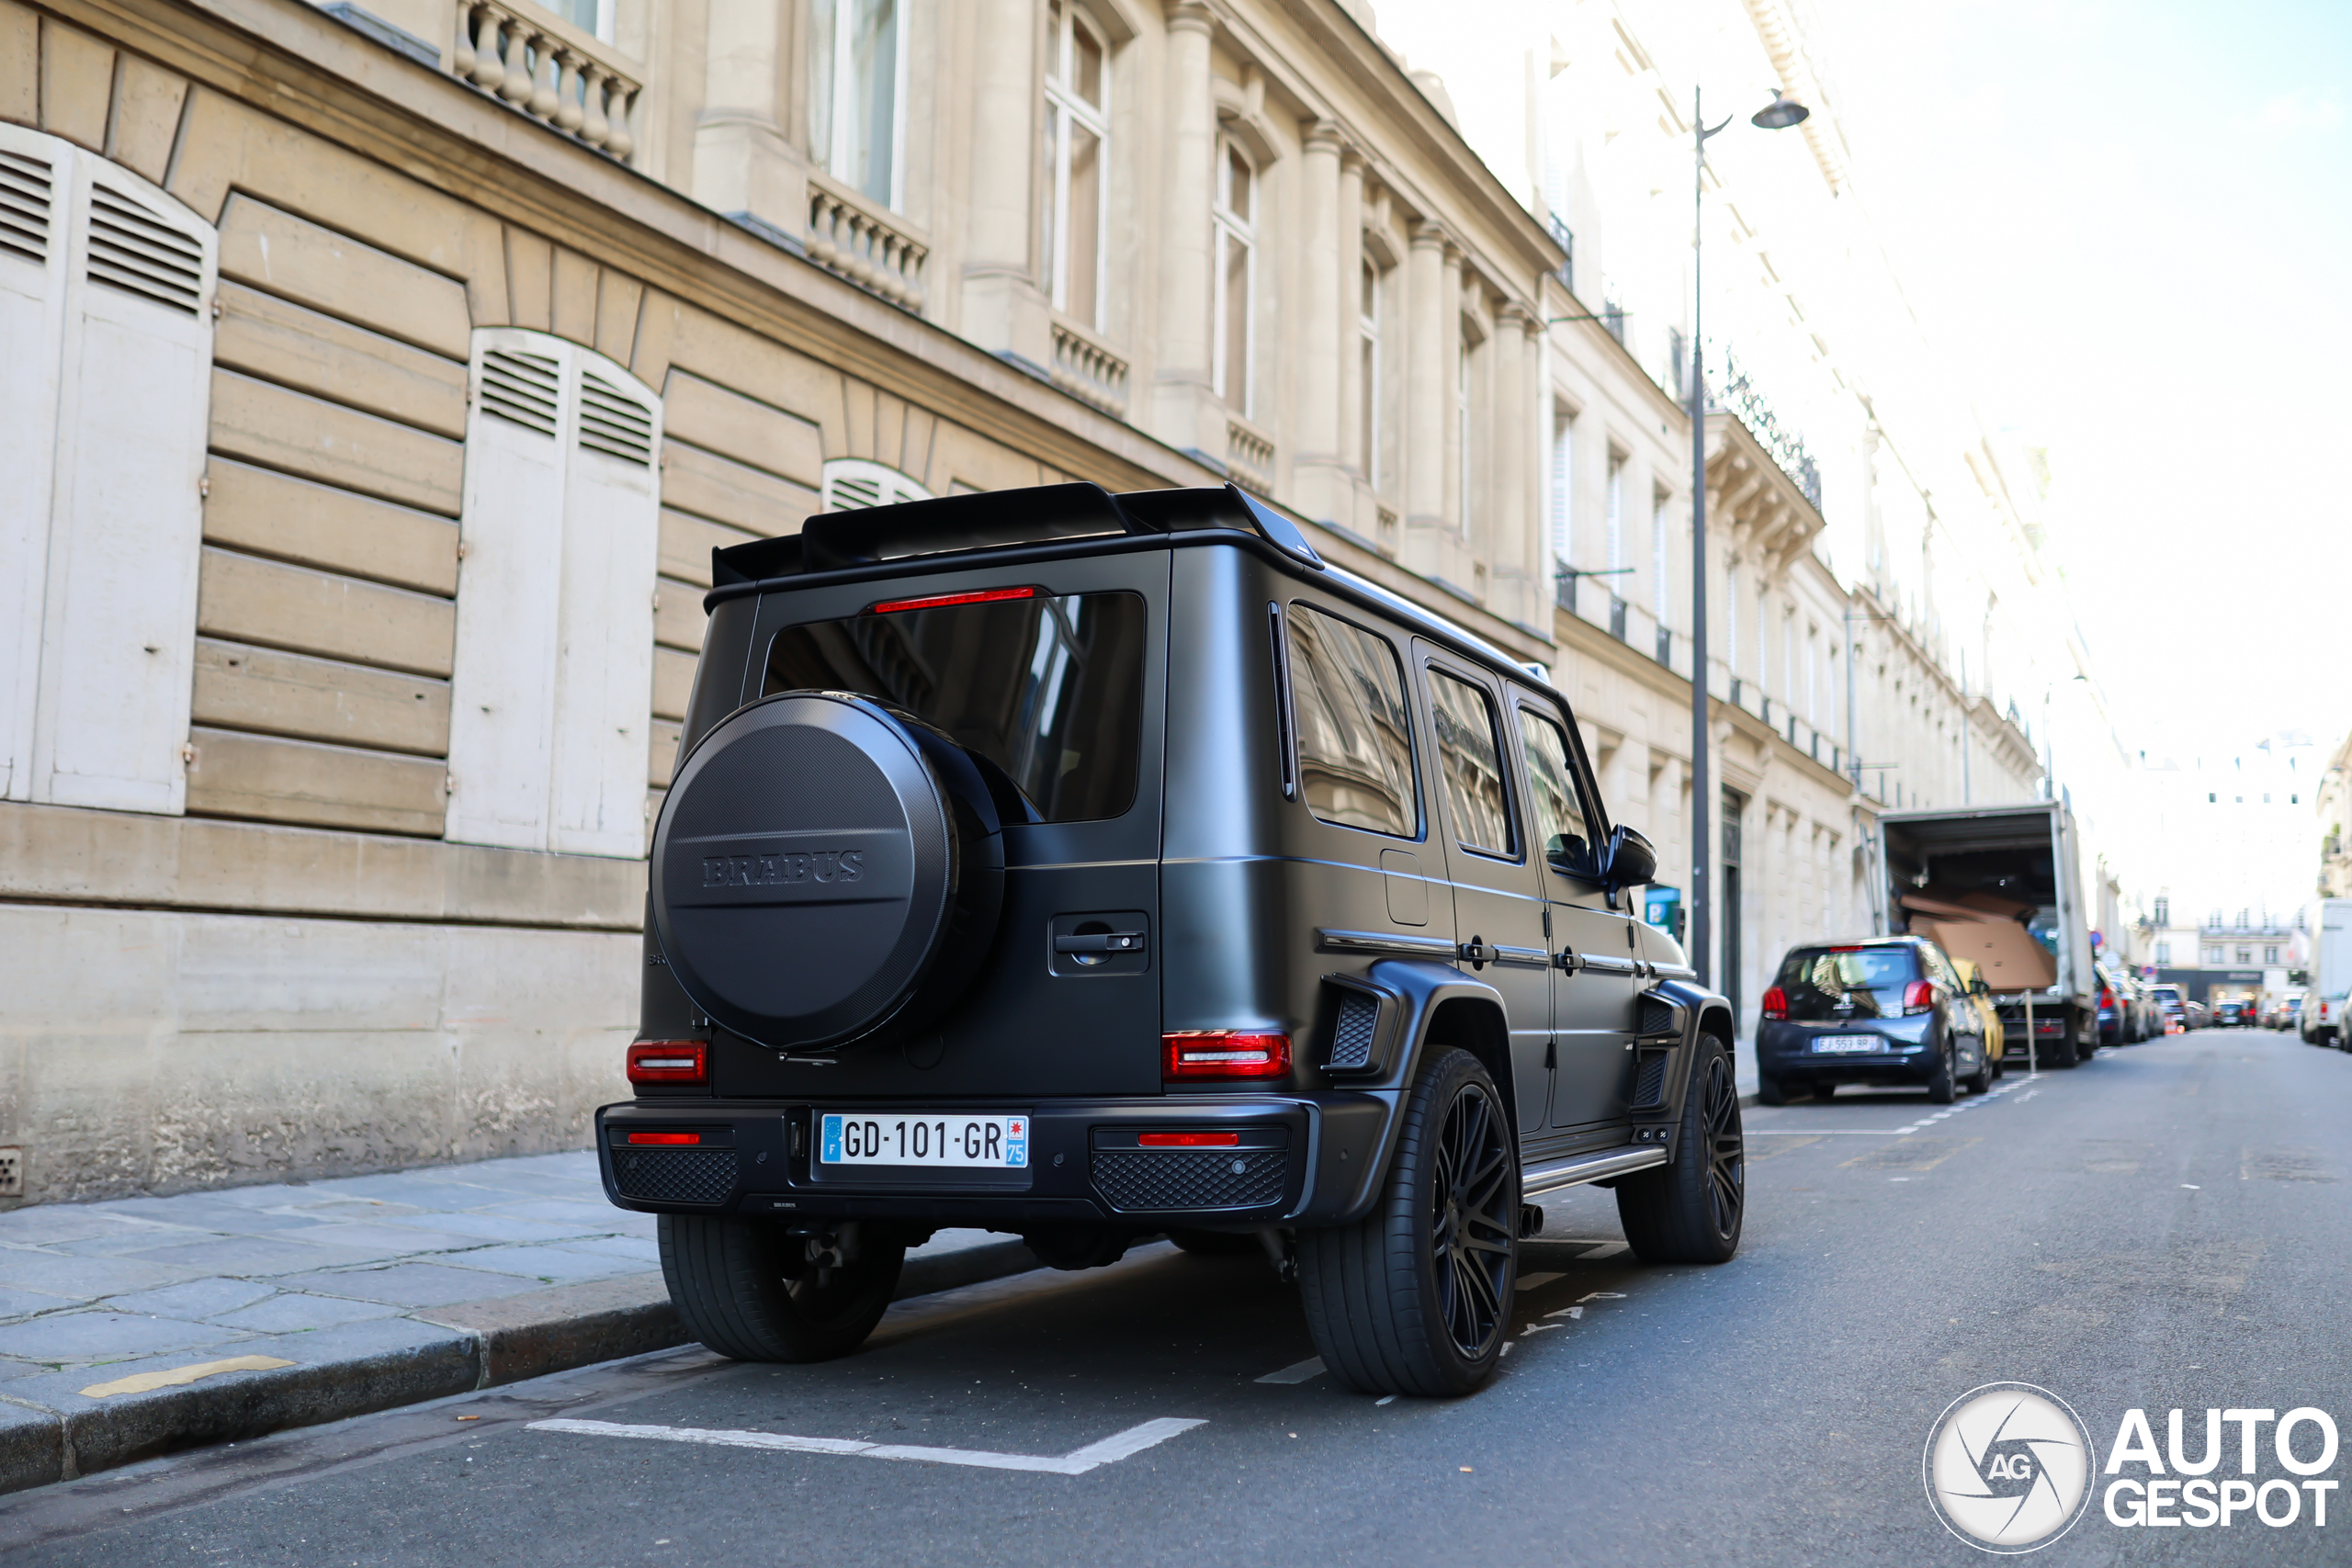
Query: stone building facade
[[379, 379]]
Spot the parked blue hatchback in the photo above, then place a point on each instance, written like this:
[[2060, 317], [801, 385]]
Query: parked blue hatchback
[[1888, 1011]]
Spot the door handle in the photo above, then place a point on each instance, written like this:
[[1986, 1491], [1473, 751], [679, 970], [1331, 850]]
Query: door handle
[[1476, 953], [1566, 959], [1100, 941]]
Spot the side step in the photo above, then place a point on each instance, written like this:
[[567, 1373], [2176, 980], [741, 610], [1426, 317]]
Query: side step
[[1601, 1167]]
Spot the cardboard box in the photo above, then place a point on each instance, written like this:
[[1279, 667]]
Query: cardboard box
[[2003, 949]]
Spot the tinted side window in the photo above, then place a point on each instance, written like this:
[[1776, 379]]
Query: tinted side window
[[1469, 747], [1550, 782], [1355, 728]]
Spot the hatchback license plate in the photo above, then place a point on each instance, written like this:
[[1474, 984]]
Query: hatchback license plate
[[933, 1138], [1841, 1045]]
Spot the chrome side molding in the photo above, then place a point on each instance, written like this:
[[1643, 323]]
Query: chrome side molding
[[1435, 947]]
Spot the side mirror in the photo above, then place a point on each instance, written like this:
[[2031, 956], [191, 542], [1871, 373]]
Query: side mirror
[[1627, 861]]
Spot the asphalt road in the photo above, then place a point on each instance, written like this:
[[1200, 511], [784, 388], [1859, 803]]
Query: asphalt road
[[2166, 1228]]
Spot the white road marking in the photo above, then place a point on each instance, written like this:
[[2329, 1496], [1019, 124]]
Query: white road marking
[[1602, 1296], [1537, 1281], [1606, 1250], [1386, 1399], [1572, 1313], [1506, 1345], [1077, 1461], [1298, 1372], [2191, 1187], [1539, 1328]]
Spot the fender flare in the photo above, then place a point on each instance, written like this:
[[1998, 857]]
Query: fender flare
[[1412, 992]]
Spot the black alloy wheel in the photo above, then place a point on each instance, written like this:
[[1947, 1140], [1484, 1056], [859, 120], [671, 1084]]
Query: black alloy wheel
[[1474, 1214], [1692, 1209], [1415, 1297], [1726, 1147]]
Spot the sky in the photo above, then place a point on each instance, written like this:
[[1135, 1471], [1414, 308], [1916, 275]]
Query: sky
[[2126, 226]]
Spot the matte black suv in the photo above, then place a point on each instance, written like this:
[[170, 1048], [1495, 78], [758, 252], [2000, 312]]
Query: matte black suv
[[1889, 1012], [1092, 867]]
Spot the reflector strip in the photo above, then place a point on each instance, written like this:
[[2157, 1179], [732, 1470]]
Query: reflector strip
[[665, 1137], [1189, 1140], [940, 600]]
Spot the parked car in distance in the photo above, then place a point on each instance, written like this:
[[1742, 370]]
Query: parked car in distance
[[2233, 1014], [2172, 1012], [2114, 1008], [1972, 979], [2200, 1015], [2321, 1021], [1089, 867], [1888, 1011], [2147, 1017]]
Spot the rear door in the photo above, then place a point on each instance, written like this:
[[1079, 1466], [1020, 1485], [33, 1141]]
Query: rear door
[[1592, 1003], [1498, 896]]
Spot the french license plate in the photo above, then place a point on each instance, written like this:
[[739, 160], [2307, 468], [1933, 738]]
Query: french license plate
[[935, 1138], [1841, 1045]]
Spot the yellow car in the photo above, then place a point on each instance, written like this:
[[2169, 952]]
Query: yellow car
[[1980, 997]]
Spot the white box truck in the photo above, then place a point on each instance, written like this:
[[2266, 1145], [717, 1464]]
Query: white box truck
[[2021, 857], [2323, 999]]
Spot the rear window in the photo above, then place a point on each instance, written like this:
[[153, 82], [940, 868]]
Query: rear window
[[1048, 689], [1817, 980]]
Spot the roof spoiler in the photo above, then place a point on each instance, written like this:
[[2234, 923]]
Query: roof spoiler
[[987, 520]]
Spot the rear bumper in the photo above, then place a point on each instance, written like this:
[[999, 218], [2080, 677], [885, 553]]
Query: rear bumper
[[1302, 1159]]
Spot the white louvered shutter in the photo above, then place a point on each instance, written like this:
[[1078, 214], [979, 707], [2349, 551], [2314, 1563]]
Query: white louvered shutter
[[502, 685], [605, 667], [853, 483], [553, 684], [36, 206], [116, 574]]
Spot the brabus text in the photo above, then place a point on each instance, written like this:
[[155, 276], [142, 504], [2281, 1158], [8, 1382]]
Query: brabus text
[[777, 869]]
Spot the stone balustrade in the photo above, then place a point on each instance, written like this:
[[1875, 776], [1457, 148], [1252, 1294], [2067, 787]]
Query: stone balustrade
[[1249, 459], [549, 69], [847, 237], [1088, 371]]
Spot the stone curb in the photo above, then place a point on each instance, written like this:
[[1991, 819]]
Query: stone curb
[[50, 1431]]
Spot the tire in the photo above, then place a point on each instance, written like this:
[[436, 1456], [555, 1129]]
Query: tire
[[1415, 1298], [1769, 1091], [1217, 1244], [1692, 1211], [1941, 1089], [744, 1288], [1981, 1080]]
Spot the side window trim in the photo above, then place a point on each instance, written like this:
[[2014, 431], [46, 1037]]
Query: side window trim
[[1432, 666], [1527, 706]]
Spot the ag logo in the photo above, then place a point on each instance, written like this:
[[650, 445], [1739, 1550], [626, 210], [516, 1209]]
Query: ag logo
[[2008, 1468]]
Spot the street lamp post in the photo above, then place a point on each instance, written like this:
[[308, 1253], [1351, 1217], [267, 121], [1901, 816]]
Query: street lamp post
[[1778, 115]]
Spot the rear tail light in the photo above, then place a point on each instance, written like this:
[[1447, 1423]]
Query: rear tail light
[[1188, 1140], [1776, 1006], [671, 1138], [1192, 1054], [2106, 997], [669, 1061], [1919, 997]]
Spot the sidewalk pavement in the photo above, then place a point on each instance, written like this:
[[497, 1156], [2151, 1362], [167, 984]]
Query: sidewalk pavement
[[133, 1327]]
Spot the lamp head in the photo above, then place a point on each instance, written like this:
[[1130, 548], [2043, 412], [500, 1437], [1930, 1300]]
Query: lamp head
[[1782, 112]]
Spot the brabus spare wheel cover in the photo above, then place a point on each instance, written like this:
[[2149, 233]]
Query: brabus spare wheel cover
[[825, 869]]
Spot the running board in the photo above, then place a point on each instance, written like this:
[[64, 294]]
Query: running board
[[1589, 1167]]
